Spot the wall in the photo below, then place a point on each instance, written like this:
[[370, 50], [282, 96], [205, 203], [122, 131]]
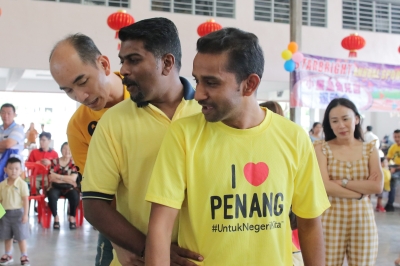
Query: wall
[[29, 29]]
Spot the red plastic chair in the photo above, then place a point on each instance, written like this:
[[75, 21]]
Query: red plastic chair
[[46, 214], [33, 170], [295, 238]]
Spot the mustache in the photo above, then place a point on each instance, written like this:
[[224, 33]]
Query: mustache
[[128, 82], [202, 102]]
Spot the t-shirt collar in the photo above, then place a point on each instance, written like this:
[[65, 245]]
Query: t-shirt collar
[[188, 92], [11, 126]]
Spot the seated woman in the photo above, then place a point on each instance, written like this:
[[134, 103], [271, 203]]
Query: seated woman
[[63, 176]]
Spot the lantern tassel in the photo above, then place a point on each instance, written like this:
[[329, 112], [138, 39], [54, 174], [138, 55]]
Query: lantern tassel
[[353, 53], [119, 46], [116, 34]]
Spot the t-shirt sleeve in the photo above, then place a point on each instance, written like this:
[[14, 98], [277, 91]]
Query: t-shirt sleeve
[[24, 189], [31, 157], [102, 170], [79, 147], [168, 181], [309, 197], [390, 153], [17, 134]]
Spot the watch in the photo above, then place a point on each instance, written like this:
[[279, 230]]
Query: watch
[[344, 182]]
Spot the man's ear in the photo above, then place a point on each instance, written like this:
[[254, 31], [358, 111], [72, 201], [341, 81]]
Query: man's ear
[[251, 84], [104, 64], [168, 63]]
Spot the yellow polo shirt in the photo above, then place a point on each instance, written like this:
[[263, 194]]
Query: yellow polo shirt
[[11, 195], [80, 129], [122, 153]]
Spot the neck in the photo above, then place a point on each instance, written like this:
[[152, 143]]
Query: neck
[[10, 181], [116, 89], [171, 97], [251, 117], [46, 149], [7, 125], [345, 142], [65, 158]]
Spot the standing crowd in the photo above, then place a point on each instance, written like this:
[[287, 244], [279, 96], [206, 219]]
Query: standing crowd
[[172, 175]]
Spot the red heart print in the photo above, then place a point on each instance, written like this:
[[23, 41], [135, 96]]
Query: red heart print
[[256, 174]]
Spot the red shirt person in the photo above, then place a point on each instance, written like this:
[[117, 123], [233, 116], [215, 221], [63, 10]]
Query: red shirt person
[[45, 154]]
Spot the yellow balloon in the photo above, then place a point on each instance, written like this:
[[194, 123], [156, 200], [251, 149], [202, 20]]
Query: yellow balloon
[[286, 54]]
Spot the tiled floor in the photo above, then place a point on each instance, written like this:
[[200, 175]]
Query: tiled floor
[[78, 248]]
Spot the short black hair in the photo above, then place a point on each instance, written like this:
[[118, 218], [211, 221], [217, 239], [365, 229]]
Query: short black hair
[[159, 36], [7, 105], [83, 45], [45, 134], [383, 159], [369, 128], [329, 135], [245, 55], [396, 131], [13, 160]]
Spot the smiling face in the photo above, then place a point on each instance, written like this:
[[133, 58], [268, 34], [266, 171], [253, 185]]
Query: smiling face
[[142, 71], [343, 122], [65, 151], [83, 82], [217, 90]]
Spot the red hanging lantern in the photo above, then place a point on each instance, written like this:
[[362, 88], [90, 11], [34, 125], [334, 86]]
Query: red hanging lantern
[[118, 20], [208, 27], [353, 43]]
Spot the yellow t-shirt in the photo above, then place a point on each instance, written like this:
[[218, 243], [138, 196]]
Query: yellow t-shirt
[[122, 153], [234, 188], [386, 179], [11, 195], [80, 129], [394, 153]]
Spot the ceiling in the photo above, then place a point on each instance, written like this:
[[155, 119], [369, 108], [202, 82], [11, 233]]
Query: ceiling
[[27, 80]]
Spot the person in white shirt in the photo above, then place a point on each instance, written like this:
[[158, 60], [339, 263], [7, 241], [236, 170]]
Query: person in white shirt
[[369, 136]]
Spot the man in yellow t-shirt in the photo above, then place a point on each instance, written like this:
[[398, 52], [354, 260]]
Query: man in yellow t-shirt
[[125, 144], [393, 154], [84, 74], [235, 170]]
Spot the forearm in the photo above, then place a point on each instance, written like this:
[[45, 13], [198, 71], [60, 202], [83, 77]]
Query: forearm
[[158, 242], [336, 190], [113, 225], [26, 206], [311, 241], [158, 247], [366, 187], [6, 144], [70, 179]]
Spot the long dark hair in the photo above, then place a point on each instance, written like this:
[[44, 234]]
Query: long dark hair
[[329, 135]]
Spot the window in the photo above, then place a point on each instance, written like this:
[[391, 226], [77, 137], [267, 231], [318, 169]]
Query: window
[[115, 3], [209, 8], [368, 15], [313, 11]]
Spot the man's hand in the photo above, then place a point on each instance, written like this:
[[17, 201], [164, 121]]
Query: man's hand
[[127, 258], [45, 162], [24, 219], [180, 256]]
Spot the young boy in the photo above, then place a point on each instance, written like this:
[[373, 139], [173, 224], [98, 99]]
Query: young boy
[[14, 198], [386, 186], [393, 154]]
